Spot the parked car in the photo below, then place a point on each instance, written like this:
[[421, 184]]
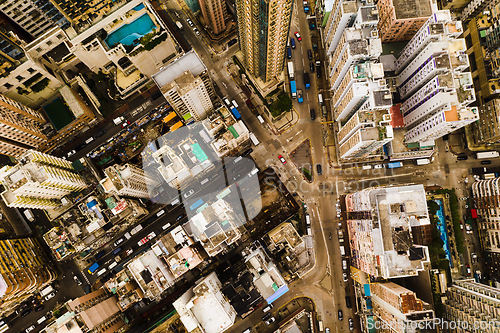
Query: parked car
[[31, 328], [118, 241], [191, 24], [270, 321], [129, 251], [468, 270], [267, 308], [196, 31], [319, 169], [266, 316], [77, 280], [485, 162], [462, 157], [341, 315], [282, 159], [378, 166], [311, 67], [351, 324], [49, 296], [71, 153]]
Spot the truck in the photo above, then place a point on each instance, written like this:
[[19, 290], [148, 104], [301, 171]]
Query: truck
[[307, 81], [394, 165], [93, 268], [45, 291], [487, 154], [293, 89], [299, 96], [290, 70], [254, 139], [179, 25], [423, 161]]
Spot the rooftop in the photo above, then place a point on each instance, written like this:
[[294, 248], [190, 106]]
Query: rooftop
[[412, 8], [189, 62]]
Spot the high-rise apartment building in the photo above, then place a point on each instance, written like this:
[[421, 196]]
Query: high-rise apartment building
[[380, 222], [474, 7], [486, 130], [214, 13], [127, 180], [486, 193], [433, 82], [39, 181], [187, 86], [23, 272], [263, 27], [475, 306], [20, 128], [36, 16], [401, 19], [399, 308], [341, 16]]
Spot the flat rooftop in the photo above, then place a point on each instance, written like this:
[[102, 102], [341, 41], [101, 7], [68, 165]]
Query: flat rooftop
[[406, 9], [190, 62]]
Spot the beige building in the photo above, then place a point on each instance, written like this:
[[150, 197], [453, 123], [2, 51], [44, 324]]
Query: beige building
[[20, 128], [214, 13], [127, 180], [401, 19], [398, 307], [474, 304], [23, 272], [263, 34], [39, 181]]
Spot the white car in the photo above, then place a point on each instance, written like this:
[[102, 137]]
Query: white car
[[71, 153], [191, 24], [31, 328], [196, 31], [344, 275], [378, 166], [188, 193], [228, 103], [49, 296]]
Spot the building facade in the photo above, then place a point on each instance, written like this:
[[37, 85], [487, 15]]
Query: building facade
[[214, 13], [127, 180], [380, 223], [263, 27], [23, 272], [474, 304], [401, 19], [486, 193], [39, 181], [187, 87], [486, 131], [21, 128], [433, 82], [399, 308]]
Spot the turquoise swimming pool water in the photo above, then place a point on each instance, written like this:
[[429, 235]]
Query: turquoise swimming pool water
[[130, 33], [442, 230]]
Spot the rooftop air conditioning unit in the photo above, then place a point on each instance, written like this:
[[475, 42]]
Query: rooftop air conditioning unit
[[374, 33]]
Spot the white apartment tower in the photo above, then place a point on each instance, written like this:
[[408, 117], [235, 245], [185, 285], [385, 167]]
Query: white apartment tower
[[127, 180], [20, 128], [432, 80], [186, 85], [39, 181]]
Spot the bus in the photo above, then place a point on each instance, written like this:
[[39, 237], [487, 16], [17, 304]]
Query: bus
[[196, 204]]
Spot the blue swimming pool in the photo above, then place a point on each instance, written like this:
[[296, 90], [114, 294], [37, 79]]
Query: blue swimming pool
[[442, 230], [130, 33]]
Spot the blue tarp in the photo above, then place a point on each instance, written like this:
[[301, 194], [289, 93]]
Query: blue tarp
[[280, 292]]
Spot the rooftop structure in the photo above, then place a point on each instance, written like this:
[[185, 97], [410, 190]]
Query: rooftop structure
[[186, 85], [379, 222], [126, 290], [127, 180], [400, 19], [474, 304], [266, 276], [398, 307], [39, 181], [204, 307]]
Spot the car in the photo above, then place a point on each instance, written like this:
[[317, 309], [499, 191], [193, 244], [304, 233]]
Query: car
[[188, 193], [31, 328], [341, 315], [248, 330], [461, 225], [77, 280], [129, 251], [125, 123], [468, 270], [344, 276], [297, 35], [319, 169], [311, 67], [38, 307], [282, 159], [351, 324], [289, 53], [100, 133], [270, 321], [292, 42], [196, 31], [89, 140], [118, 241], [232, 42], [25, 312], [266, 316], [191, 24], [327, 330], [462, 157], [473, 256], [348, 301], [267, 308], [146, 239], [378, 166], [228, 103], [71, 153], [485, 162], [49, 296], [468, 228]]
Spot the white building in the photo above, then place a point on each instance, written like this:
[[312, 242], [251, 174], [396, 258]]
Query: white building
[[187, 86], [39, 181], [433, 82], [204, 307], [127, 180], [341, 16], [380, 222]]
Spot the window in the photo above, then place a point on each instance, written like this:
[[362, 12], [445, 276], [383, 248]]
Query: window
[[31, 70], [8, 85], [19, 78]]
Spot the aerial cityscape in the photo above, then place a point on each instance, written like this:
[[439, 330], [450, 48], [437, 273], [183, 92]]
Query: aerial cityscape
[[249, 166]]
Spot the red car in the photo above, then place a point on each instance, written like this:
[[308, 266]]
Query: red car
[[297, 35], [282, 159]]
